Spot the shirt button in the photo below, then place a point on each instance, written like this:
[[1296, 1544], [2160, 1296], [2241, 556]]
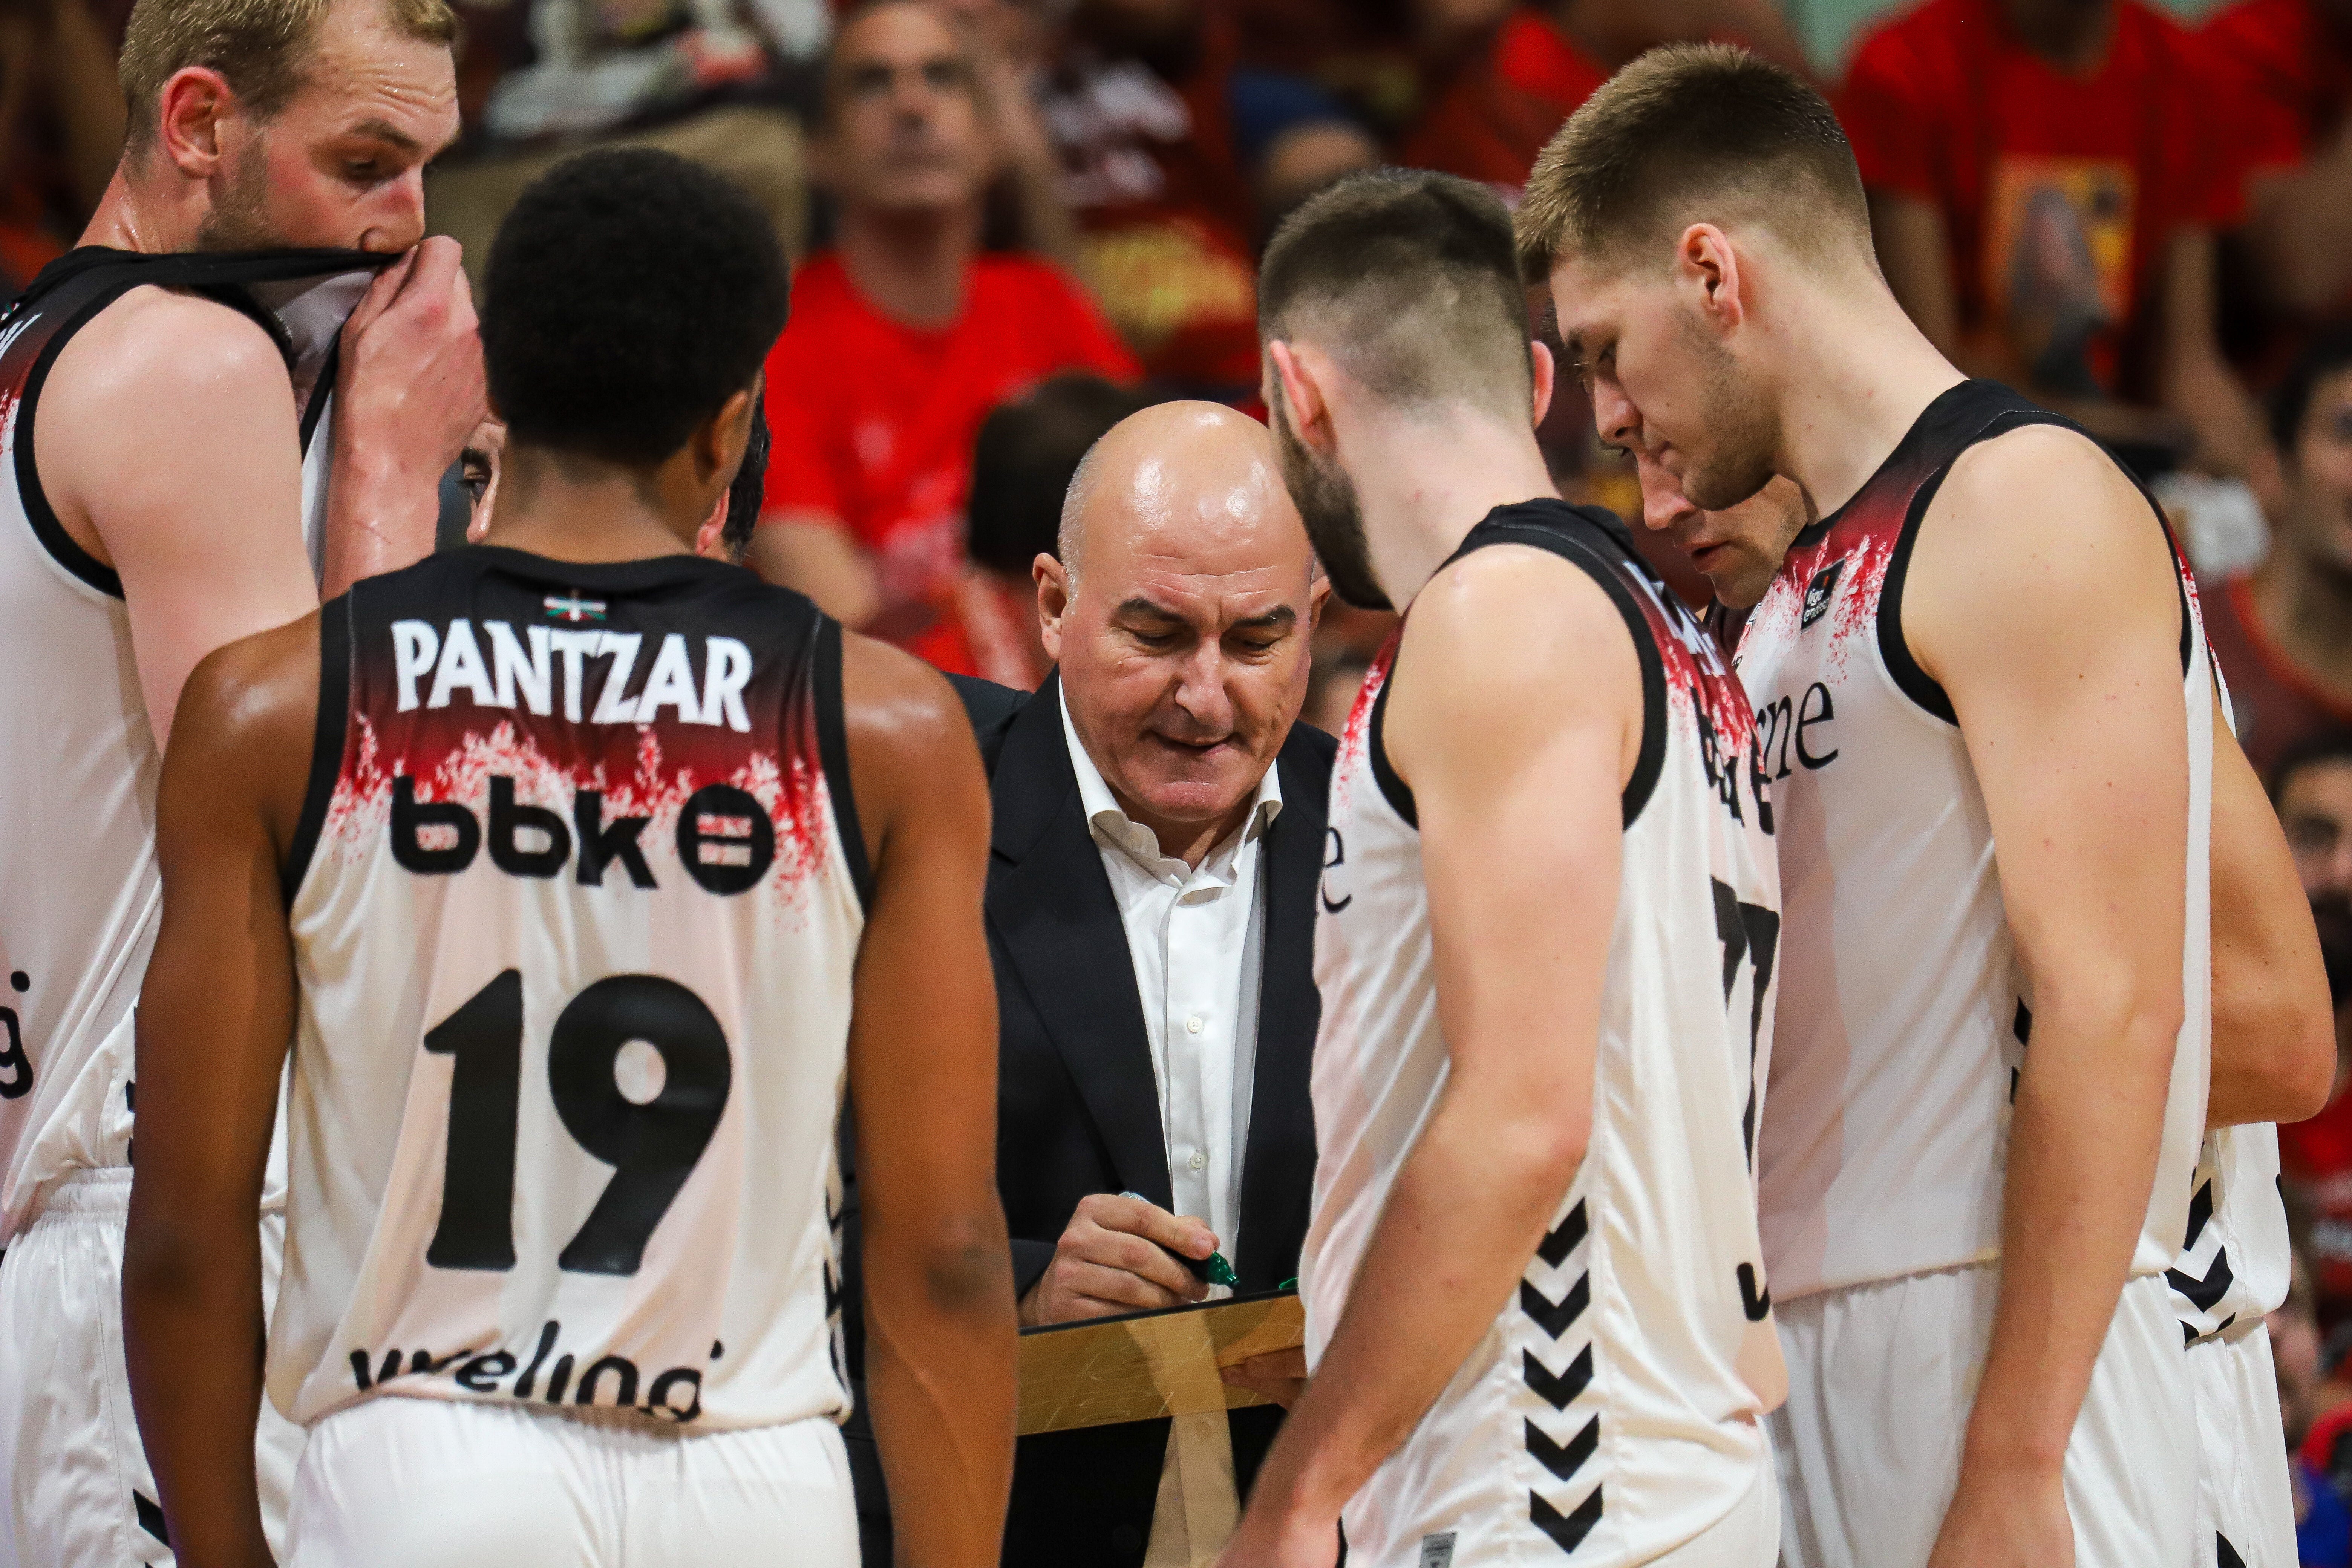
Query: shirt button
[[1192, 1024], [1199, 1160]]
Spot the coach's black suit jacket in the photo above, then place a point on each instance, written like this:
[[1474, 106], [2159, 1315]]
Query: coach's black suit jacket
[[1078, 1106]]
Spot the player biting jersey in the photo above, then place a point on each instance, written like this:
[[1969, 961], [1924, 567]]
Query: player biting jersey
[[192, 437], [584, 873]]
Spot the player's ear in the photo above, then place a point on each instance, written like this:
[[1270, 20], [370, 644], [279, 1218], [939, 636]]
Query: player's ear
[[189, 112], [725, 436], [1706, 262], [1547, 377], [1295, 376]]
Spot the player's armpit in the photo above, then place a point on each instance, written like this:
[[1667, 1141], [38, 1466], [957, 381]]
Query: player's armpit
[[167, 444], [215, 1014], [2273, 1034], [2042, 596], [1515, 716], [922, 1072]]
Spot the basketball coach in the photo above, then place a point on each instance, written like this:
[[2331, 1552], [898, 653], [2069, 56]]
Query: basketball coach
[[1159, 834]]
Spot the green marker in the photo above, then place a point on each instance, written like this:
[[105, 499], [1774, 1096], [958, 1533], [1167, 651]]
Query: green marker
[[1213, 1269]]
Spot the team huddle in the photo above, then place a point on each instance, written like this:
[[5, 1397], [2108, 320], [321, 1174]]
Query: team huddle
[[1792, 1085]]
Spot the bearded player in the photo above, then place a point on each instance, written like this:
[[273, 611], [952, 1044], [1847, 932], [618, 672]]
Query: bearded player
[[175, 479], [1992, 1075], [1537, 1311], [584, 873]]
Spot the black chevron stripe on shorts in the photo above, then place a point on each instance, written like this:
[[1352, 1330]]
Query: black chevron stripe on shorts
[[1564, 1461]]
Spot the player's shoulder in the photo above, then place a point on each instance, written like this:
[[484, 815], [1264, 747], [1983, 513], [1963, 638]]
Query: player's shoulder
[[259, 691], [896, 702], [154, 341], [2044, 485], [1511, 616]]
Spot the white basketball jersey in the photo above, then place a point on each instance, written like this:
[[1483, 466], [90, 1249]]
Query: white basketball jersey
[[1614, 1406], [80, 894], [1903, 1016], [577, 901]]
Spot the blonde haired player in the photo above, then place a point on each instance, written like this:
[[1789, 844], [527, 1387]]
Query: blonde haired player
[[1984, 706]]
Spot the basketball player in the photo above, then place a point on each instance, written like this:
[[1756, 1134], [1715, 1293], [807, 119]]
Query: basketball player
[[608, 867], [1537, 1311], [165, 396], [1992, 1075], [2274, 1060]]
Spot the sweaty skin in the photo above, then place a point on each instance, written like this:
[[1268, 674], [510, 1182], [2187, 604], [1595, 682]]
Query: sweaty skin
[[220, 1002], [205, 527], [2044, 603], [2273, 1036]]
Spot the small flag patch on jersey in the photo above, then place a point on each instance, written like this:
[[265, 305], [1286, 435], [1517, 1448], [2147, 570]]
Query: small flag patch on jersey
[[1819, 593], [574, 610], [1437, 1551]]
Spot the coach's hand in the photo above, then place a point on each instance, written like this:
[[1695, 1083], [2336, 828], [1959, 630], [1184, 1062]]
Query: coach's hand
[[1278, 1375], [1115, 1256], [2018, 1523]]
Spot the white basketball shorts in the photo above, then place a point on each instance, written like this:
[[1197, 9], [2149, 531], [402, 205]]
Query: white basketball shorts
[[399, 1482], [1880, 1380], [78, 1492], [2245, 1504]]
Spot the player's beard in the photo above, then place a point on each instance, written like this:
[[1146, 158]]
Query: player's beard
[[1745, 427], [240, 218], [1326, 499]]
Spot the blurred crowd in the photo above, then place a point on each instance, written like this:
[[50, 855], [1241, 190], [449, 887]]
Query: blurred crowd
[[1016, 221]]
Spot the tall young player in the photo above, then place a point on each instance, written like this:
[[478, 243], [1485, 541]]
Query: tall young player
[[1536, 1303], [2273, 1059], [1987, 639], [168, 445], [584, 872]]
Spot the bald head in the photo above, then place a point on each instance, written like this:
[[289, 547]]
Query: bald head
[[1179, 614], [1196, 469]]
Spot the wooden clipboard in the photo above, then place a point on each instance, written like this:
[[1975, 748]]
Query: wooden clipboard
[[1142, 1365]]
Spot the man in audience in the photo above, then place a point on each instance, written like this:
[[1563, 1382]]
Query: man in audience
[[902, 338], [1160, 830], [2286, 67], [1021, 468], [1162, 138], [2045, 183], [2283, 632]]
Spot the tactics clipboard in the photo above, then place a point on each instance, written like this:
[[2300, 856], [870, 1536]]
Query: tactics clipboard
[[1142, 1365]]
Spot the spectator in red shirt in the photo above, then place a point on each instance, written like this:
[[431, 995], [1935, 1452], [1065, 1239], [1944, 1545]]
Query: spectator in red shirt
[[902, 338], [1141, 98], [2283, 632], [1495, 112], [2045, 186], [2286, 68]]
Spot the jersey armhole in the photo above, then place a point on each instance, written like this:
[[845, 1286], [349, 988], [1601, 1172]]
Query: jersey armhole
[[833, 749], [1648, 764], [47, 530], [1896, 651], [326, 741]]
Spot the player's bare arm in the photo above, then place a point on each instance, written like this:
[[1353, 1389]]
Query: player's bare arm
[[922, 1074], [215, 1020], [407, 394], [166, 442], [2044, 601], [1515, 717], [2273, 1032]]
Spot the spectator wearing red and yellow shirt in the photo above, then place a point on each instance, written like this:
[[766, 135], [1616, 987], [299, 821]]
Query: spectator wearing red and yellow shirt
[[2286, 71], [2046, 183], [901, 340]]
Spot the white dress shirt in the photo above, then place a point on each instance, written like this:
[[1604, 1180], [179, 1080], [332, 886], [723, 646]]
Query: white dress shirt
[[1196, 935]]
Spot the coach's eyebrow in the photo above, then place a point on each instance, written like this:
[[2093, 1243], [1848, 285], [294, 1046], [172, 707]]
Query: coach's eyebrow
[[1280, 616]]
